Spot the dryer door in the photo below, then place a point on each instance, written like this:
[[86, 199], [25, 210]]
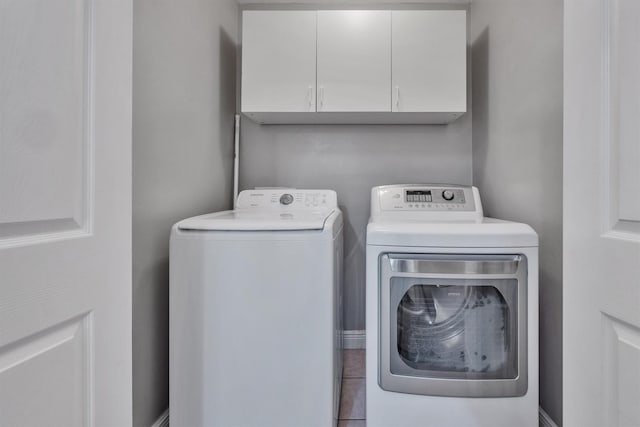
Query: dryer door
[[453, 325]]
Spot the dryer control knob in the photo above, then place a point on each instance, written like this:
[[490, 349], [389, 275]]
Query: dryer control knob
[[286, 199], [447, 195]]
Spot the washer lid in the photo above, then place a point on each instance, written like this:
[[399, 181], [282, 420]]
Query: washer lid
[[243, 220]]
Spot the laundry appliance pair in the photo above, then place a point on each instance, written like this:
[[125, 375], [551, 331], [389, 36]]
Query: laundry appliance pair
[[256, 312]]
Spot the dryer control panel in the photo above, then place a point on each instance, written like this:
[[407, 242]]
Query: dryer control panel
[[446, 196], [423, 199]]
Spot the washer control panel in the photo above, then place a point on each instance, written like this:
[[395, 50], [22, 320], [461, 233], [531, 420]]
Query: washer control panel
[[287, 199], [430, 198]]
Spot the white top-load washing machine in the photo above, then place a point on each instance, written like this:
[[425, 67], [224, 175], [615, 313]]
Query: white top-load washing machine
[[256, 312], [452, 312]]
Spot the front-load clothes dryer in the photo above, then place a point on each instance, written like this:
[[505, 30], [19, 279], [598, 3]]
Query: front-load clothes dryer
[[452, 312], [256, 312]]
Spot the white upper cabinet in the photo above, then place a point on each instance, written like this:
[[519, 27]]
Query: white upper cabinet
[[354, 60], [354, 66], [278, 61], [429, 57]]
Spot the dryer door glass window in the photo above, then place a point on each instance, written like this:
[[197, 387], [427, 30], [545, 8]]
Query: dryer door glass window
[[454, 329], [453, 324]]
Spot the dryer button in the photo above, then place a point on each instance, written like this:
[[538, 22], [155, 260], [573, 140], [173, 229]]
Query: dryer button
[[447, 195]]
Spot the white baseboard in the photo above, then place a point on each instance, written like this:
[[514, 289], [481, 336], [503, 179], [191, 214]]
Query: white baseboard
[[355, 339], [163, 420], [545, 419]]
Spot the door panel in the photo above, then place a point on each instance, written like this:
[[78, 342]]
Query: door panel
[[429, 60], [32, 393], [354, 60], [601, 289], [621, 358], [278, 61], [45, 138], [622, 110], [65, 212]]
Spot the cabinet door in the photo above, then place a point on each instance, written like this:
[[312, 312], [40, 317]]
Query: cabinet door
[[278, 61], [429, 60], [354, 60]]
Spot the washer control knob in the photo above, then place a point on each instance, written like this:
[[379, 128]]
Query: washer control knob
[[447, 195], [286, 199]]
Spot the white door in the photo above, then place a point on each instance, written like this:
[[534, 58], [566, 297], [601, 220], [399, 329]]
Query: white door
[[429, 60], [65, 212], [354, 60], [601, 297], [278, 61]]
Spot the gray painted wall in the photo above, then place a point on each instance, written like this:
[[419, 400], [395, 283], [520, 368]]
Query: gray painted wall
[[350, 160], [184, 77], [517, 146]]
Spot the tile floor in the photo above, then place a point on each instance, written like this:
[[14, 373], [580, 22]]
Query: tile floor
[[352, 399]]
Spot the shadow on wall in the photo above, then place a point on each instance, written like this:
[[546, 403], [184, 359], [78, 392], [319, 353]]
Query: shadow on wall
[[354, 255], [227, 72], [480, 99], [154, 321]]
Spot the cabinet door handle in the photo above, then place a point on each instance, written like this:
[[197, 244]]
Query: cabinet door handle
[[310, 98], [398, 98], [321, 98]]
